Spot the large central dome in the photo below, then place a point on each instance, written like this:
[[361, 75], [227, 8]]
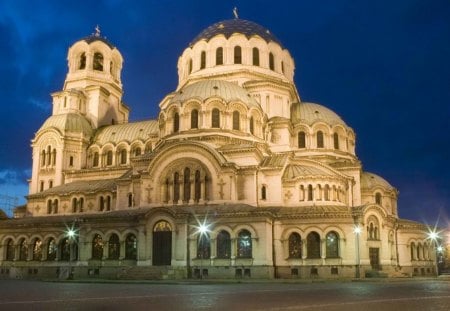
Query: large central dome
[[232, 26]]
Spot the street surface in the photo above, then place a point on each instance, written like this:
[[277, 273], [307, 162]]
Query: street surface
[[405, 295]]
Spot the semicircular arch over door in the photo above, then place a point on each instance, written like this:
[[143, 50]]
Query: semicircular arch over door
[[162, 244]]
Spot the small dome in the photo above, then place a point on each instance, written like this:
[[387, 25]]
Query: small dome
[[371, 181], [310, 113], [93, 38], [202, 90], [68, 122], [232, 26]]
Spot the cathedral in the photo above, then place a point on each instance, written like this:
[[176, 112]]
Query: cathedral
[[236, 178]]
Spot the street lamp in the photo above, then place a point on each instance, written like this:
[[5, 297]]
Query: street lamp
[[202, 230], [71, 234], [357, 232]]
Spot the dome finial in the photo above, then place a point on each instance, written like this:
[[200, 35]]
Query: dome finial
[[97, 31], [235, 12]]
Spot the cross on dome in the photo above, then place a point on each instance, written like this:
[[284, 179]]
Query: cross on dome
[[97, 31], [235, 12]]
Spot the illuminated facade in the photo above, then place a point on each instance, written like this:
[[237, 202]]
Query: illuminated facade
[[274, 180]]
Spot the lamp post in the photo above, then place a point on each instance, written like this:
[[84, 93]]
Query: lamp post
[[357, 231], [71, 235], [202, 230], [434, 237]]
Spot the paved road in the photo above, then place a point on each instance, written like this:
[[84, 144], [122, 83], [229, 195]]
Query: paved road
[[366, 296]]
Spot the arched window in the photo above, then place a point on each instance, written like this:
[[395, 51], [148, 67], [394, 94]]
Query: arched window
[[41, 186], [97, 247], [108, 203], [176, 122], [413, 251], [326, 193], [43, 158], [203, 60], [190, 66], [137, 151], [371, 231], [236, 121], [223, 244], [51, 249], [55, 206], [64, 247], [113, 247], [332, 246], [111, 68], [203, 246], [101, 203], [219, 56], [82, 63], [255, 54], [310, 193], [301, 140], [98, 61], [320, 139], [419, 251], [187, 185], [237, 55], [252, 125], [215, 118], [197, 186], [95, 161], [131, 247], [71, 161], [37, 249], [23, 250], [10, 250], [49, 155], [313, 245], [295, 245], [301, 193], [336, 141], [271, 61], [176, 187], [244, 244], [54, 157], [263, 193], [130, 199], [378, 198], [194, 119], [49, 206], [282, 66], [109, 158], [74, 205], [123, 156]]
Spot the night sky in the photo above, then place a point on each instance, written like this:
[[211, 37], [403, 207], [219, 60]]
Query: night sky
[[383, 66]]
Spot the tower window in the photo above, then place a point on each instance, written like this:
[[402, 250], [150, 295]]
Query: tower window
[[203, 60], [98, 61], [236, 117], [215, 118], [271, 62], [123, 156], [219, 56], [310, 193], [130, 199], [41, 187], [378, 198], [71, 161], [82, 64], [237, 55], [263, 193], [255, 54], [252, 125], [190, 66], [282, 67]]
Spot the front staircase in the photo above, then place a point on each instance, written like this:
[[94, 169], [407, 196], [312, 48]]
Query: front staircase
[[147, 273]]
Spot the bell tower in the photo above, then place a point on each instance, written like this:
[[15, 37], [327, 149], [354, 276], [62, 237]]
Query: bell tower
[[93, 86]]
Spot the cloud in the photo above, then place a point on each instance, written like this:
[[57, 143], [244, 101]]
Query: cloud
[[14, 177], [44, 105]]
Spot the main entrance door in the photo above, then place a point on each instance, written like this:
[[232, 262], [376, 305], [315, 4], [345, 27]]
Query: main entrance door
[[374, 254], [162, 244]]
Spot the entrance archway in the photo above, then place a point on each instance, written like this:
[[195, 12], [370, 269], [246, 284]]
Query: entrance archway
[[162, 244]]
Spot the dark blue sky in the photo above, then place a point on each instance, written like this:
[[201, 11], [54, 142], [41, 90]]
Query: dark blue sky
[[383, 66]]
